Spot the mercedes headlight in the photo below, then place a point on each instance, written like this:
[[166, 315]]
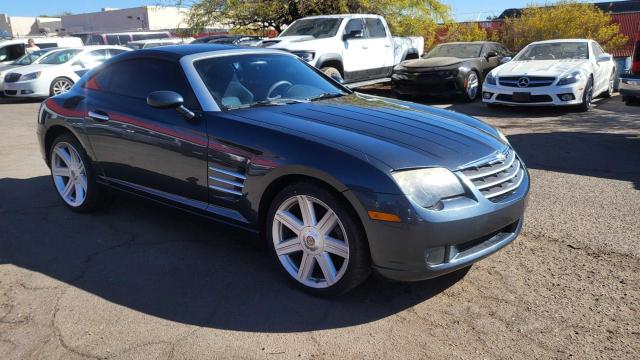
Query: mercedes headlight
[[31, 76], [428, 186], [490, 79], [305, 55], [574, 77]]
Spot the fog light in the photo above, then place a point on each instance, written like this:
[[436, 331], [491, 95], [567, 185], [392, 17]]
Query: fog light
[[435, 256], [487, 95], [27, 92], [566, 97]]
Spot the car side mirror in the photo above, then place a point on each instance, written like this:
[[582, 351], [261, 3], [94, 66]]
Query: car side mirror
[[491, 54], [505, 59], [353, 34], [169, 100], [604, 58]]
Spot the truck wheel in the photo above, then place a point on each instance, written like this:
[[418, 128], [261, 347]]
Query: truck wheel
[[332, 73]]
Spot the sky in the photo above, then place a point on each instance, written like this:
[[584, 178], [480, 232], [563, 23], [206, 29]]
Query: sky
[[462, 9]]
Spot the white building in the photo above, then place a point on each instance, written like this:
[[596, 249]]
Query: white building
[[117, 20], [16, 26]]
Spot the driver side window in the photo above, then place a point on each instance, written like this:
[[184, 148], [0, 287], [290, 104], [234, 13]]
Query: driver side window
[[354, 25]]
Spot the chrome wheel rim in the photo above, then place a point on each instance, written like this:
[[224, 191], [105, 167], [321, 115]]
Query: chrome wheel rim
[[61, 87], [472, 85], [310, 241], [588, 94], [611, 81], [69, 174]]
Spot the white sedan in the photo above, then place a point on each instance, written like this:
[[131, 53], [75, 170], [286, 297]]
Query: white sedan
[[56, 72], [556, 72]]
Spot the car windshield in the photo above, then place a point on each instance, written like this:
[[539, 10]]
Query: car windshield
[[263, 80], [554, 51], [29, 58], [463, 51], [59, 57], [318, 28]]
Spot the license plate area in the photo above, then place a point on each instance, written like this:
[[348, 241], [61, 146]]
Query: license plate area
[[521, 96]]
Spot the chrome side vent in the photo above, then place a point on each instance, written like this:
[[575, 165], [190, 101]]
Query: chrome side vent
[[498, 178], [226, 181]]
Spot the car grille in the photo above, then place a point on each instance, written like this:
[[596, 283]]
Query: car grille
[[532, 81], [496, 179], [11, 92], [11, 77], [532, 98]]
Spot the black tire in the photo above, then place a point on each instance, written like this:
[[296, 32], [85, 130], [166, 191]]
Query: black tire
[[56, 80], [609, 92], [466, 96], [358, 266], [333, 73], [587, 96], [96, 197]]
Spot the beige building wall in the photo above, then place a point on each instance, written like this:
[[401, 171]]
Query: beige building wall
[[17, 26], [116, 20], [166, 17]]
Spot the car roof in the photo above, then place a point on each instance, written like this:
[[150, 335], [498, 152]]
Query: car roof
[[470, 42], [176, 52], [561, 41], [338, 16]]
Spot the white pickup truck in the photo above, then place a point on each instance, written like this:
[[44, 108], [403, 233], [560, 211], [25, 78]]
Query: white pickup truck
[[349, 48]]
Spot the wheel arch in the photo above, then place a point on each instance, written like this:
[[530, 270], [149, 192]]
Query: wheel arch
[[51, 134], [332, 60]]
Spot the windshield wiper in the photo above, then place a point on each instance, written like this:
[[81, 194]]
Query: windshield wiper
[[326, 95]]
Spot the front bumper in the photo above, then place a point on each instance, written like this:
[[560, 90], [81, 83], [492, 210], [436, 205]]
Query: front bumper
[[429, 243], [538, 96], [629, 85], [33, 88], [416, 83]]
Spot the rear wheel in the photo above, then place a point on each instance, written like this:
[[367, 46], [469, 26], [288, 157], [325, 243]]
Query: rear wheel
[[60, 85], [471, 86], [316, 240], [73, 177], [587, 96], [609, 90]]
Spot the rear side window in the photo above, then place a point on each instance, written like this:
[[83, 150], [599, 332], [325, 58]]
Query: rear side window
[[97, 40], [140, 77], [11, 52], [150, 36], [46, 45], [124, 39], [375, 28], [113, 40]]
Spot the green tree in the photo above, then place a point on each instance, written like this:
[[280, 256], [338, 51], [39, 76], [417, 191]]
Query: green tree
[[565, 19], [466, 32], [404, 16]]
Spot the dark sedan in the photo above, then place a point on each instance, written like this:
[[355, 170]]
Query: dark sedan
[[337, 183], [451, 68]]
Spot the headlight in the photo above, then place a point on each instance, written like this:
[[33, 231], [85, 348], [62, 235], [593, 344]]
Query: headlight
[[490, 79], [574, 77], [502, 137], [305, 55], [31, 76], [428, 186]]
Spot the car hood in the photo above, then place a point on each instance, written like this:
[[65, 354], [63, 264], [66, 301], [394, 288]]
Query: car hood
[[32, 68], [539, 67], [400, 134], [431, 62], [6, 68], [292, 42]]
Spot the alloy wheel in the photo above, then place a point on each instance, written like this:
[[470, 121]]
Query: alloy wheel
[[472, 85], [61, 86], [69, 174], [310, 241]]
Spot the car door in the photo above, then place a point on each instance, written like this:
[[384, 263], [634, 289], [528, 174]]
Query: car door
[[10, 53], [602, 69], [489, 62], [355, 52], [154, 150], [380, 48]]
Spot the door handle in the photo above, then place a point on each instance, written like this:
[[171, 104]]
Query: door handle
[[98, 115], [365, 47], [387, 45]]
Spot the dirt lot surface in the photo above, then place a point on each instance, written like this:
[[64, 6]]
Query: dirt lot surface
[[140, 281]]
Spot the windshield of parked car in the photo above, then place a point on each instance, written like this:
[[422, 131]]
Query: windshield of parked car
[[463, 51], [59, 57], [554, 51], [263, 79], [29, 58], [318, 28]]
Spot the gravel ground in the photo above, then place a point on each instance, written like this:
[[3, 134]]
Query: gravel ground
[[140, 281]]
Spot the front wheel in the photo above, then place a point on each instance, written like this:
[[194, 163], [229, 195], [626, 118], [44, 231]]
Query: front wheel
[[60, 85], [471, 86], [333, 73], [587, 96], [609, 91], [316, 240], [73, 177]]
